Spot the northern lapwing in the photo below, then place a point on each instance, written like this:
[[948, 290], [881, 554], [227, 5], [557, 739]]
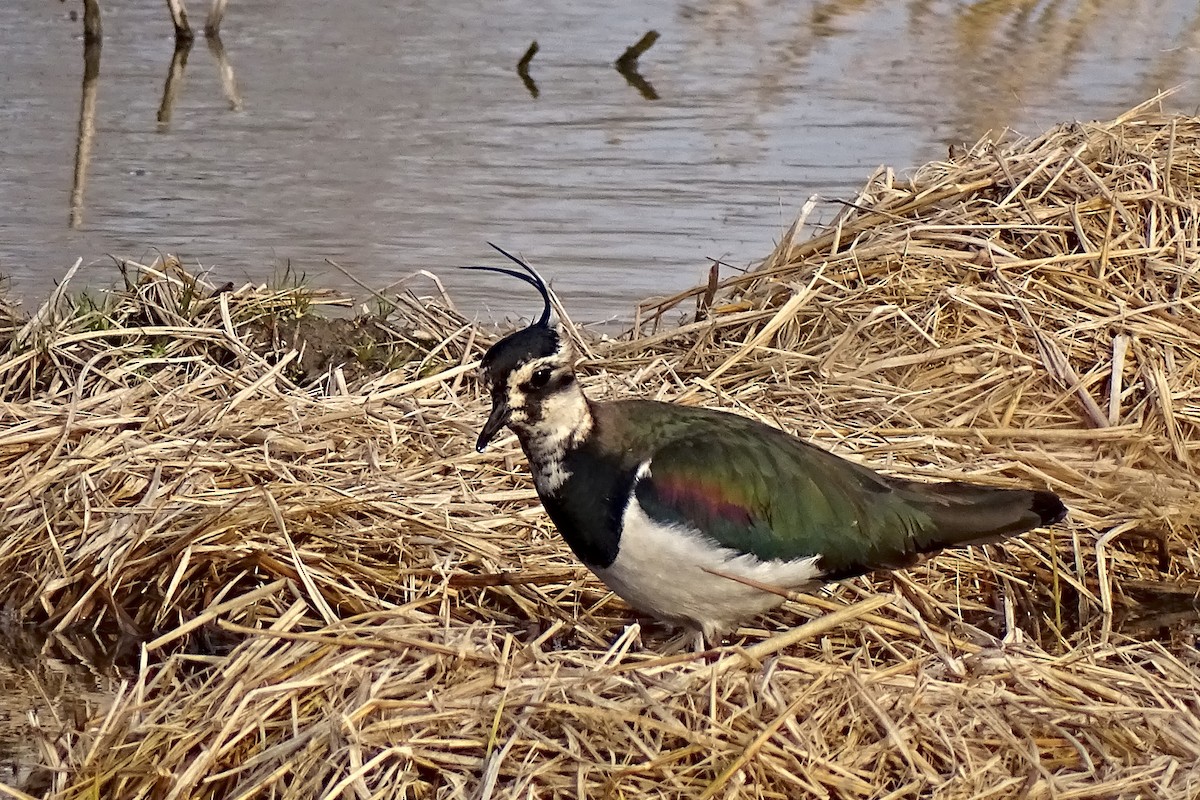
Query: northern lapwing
[[693, 515]]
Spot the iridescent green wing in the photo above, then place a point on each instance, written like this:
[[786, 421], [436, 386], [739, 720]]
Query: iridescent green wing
[[757, 490]]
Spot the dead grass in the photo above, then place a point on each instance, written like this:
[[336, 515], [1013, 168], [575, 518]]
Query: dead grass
[[340, 598]]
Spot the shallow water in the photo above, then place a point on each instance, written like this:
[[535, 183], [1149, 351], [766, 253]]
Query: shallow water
[[396, 140], [49, 688]]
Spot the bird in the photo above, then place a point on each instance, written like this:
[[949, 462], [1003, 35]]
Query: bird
[[703, 518]]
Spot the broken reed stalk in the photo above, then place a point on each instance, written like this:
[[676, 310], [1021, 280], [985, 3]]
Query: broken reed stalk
[[342, 598], [530, 52], [627, 61]]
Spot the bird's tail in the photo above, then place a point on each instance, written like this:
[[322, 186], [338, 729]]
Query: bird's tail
[[965, 514]]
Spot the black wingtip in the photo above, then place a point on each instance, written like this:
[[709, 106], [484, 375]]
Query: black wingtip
[[1048, 507]]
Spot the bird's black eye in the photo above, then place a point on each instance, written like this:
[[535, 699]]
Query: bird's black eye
[[540, 378]]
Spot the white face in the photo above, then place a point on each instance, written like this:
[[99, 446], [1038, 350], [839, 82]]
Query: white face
[[548, 421], [534, 391], [532, 387]]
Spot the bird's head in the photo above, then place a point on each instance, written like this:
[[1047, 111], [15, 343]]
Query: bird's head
[[531, 372]]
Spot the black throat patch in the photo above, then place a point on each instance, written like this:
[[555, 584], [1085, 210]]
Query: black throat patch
[[587, 509]]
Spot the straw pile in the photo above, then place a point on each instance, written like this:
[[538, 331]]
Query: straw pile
[[339, 598]]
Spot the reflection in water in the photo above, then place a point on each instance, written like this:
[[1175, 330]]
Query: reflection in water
[[627, 65], [50, 687], [86, 133], [174, 82], [87, 123], [1024, 52], [1168, 619], [175, 72], [523, 69], [1157, 612], [393, 143], [224, 69], [970, 67]]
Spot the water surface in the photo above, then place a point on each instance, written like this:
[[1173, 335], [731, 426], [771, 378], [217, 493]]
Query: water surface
[[397, 139]]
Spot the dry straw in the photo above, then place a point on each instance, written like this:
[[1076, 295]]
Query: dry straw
[[339, 598]]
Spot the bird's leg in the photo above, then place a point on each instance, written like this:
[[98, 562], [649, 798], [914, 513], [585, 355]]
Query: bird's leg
[[708, 638], [689, 638]]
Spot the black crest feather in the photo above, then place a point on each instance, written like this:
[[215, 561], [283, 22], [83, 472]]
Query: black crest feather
[[530, 276]]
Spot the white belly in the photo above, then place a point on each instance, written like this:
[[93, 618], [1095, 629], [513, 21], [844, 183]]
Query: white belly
[[668, 572]]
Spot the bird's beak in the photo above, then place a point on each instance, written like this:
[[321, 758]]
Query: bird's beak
[[495, 421]]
